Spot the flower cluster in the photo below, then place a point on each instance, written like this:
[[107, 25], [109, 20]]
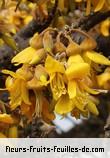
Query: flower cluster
[[56, 76]]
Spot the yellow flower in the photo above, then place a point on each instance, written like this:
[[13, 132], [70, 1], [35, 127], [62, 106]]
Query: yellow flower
[[40, 78], [77, 69], [29, 56], [78, 74], [77, 97], [56, 71], [81, 102], [17, 86]]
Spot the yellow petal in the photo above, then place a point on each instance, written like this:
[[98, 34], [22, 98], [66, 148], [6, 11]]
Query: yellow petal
[[11, 73], [103, 78], [92, 108], [89, 90], [99, 5], [72, 88], [53, 65], [38, 56], [25, 72], [5, 118], [77, 70], [105, 26], [24, 56], [41, 73], [25, 93], [9, 82], [64, 105], [97, 58], [15, 94], [13, 132], [75, 59]]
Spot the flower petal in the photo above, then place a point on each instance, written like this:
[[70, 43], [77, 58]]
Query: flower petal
[[77, 70], [99, 5], [97, 58], [75, 59], [103, 78], [89, 90], [53, 65], [105, 26], [11, 73], [64, 105], [72, 88], [25, 93], [24, 56], [92, 108]]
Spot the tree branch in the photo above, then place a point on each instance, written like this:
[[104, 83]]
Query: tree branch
[[23, 36], [92, 20]]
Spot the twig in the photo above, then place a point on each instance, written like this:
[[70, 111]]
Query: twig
[[93, 20]]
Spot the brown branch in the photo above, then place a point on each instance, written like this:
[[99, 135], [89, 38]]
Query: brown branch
[[92, 20], [23, 36]]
